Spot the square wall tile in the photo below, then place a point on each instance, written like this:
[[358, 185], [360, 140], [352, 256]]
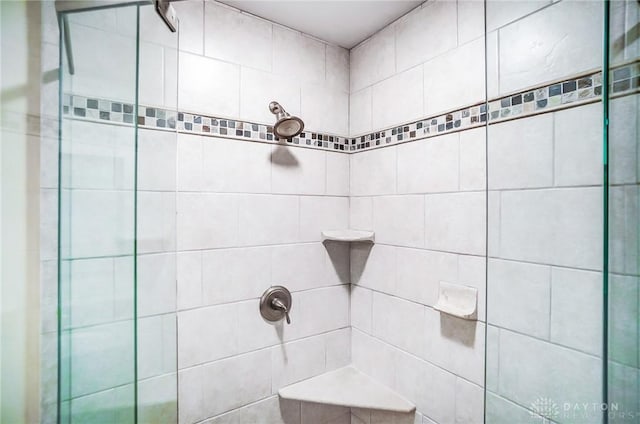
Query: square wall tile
[[360, 118], [399, 322], [158, 399], [374, 357], [561, 226], [373, 60], [191, 25], [455, 222], [235, 166], [299, 266], [438, 404], [296, 361], [470, 20], [374, 267], [419, 273], [454, 344], [361, 213], [325, 109], [430, 165], [90, 284], [258, 88], [189, 166], [337, 68], [102, 222], [520, 153], [103, 350], [472, 273], [425, 32], [361, 308], [230, 34], [268, 219], [231, 275], [373, 172], [385, 93], [188, 279], [337, 174], [156, 284], [206, 220], [500, 410], [314, 315], [207, 334], [190, 395], [565, 41], [623, 323], [624, 222], [465, 65], [151, 69], [298, 171], [338, 348], [469, 402], [578, 146], [298, 56], [519, 297], [319, 213], [624, 159], [156, 160], [576, 309], [209, 86], [254, 332], [473, 159], [549, 371], [235, 382], [399, 220], [157, 345], [272, 410]]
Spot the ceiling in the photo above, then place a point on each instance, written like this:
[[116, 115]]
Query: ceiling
[[345, 23]]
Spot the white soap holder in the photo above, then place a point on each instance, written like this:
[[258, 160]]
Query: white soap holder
[[459, 301]]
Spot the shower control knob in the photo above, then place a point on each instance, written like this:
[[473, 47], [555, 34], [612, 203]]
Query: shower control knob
[[275, 304]]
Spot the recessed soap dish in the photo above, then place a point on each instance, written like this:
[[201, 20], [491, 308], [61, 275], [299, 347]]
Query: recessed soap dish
[[457, 300]]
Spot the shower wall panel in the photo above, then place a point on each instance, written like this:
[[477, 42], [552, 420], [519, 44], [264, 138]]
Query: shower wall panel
[[249, 215], [425, 200]]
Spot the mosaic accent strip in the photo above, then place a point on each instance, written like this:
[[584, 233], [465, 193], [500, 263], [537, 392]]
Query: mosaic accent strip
[[624, 79], [585, 88], [207, 125], [81, 107]]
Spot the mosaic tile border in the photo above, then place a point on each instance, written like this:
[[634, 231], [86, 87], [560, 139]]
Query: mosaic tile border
[[81, 107], [624, 79], [584, 88]]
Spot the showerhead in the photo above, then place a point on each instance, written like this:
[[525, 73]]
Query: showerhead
[[286, 126]]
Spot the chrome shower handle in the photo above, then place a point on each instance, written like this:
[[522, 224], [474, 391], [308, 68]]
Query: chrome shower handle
[[277, 304]]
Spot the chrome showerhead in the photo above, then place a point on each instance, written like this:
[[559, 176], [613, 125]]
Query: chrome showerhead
[[286, 126]]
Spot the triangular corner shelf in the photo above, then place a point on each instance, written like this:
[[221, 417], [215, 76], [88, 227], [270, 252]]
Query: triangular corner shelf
[[348, 236], [347, 387]]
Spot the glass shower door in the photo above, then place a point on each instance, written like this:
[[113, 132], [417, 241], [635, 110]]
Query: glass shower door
[[116, 351], [544, 180], [623, 303]]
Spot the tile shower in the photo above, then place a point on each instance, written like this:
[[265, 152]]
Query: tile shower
[[472, 162]]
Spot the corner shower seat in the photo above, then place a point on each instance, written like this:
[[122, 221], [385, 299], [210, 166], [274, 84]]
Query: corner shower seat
[[347, 387]]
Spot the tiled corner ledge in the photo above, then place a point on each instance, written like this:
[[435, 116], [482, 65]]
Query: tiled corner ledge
[[347, 387], [574, 91]]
